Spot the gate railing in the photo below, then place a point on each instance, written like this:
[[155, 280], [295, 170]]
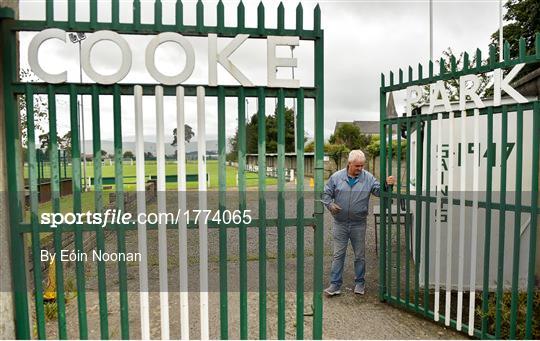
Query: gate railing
[[20, 228], [469, 179]]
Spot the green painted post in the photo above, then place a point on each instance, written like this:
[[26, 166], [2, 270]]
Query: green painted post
[[502, 222], [158, 8], [428, 211], [388, 206], [179, 15], [71, 13], [220, 16], [242, 207], [13, 171], [517, 221], [49, 12], [120, 228], [55, 198], [398, 207], [280, 18], [34, 219], [299, 19], [137, 14], [478, 58], [260, 18], [222, 180], [319, 177], [534, 220], [418, 206], [115, 12], [466, 62], [487, 239], [240, 15], [522, 49], [408, 236], [261, 162], [407, 218], [382, 244], [281, 213], [93, 13], [300, 216], [76, 180], [98, 200], [200, 16]]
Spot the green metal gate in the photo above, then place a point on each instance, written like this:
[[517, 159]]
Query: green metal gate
[[460, 244], [33, 313]]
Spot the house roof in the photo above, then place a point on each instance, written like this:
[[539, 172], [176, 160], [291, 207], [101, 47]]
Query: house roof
[[373, 127], [366, 127]]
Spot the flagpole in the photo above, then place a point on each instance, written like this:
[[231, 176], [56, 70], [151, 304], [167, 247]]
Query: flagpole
[[430, 30], [501, 42]]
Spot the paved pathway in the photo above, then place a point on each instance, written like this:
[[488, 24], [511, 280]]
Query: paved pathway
[[347, 316]]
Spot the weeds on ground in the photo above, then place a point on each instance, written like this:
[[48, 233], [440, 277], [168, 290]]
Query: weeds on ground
[[506, 304]]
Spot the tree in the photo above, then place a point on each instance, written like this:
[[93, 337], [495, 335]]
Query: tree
[[149, 156], [271, 128], [336, 152], [523, 17], [350, 135], [41, 112], [65, 141], [310, 147], [103, 153], [188, 134], [128, 154]]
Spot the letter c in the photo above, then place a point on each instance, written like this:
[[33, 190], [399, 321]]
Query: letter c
[[33, 49]]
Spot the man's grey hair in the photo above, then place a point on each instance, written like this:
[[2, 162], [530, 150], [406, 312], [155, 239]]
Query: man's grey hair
[[356, 155]]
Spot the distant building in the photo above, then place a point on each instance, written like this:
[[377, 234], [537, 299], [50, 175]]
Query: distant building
[[373, 127]]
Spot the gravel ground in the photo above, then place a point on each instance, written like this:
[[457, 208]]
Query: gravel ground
[[347, 316]]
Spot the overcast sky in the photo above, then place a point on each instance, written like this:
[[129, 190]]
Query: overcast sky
[[362, 39]]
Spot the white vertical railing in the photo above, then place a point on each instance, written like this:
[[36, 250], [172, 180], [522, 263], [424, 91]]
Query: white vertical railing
[[463, 184], [450, 221], [162, 209], [439, 170], [141, 208], [182, 206], [203, 228], [474, 222]]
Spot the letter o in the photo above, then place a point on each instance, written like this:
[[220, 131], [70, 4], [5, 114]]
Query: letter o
[[151, 52], [69, 218], [87, 46], [33, 49]]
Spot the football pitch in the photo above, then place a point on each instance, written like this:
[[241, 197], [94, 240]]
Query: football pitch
[[129, 173]]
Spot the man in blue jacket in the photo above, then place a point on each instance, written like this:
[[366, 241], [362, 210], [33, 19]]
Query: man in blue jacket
[[346, 196]]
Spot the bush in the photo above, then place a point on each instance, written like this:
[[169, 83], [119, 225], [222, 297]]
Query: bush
[[506, 305]]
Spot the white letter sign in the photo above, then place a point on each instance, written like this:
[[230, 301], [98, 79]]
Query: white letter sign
[[275, 62], [126, 57], [463, 91], [417, 90], [151, 55], [33, 50], [434, 91], [223, 59], [501, 84]]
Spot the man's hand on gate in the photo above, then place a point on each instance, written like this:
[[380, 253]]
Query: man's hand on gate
[[334, 208], [391, 180]]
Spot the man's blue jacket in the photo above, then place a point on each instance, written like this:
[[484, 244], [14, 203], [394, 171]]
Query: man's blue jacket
[[354, 201]]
